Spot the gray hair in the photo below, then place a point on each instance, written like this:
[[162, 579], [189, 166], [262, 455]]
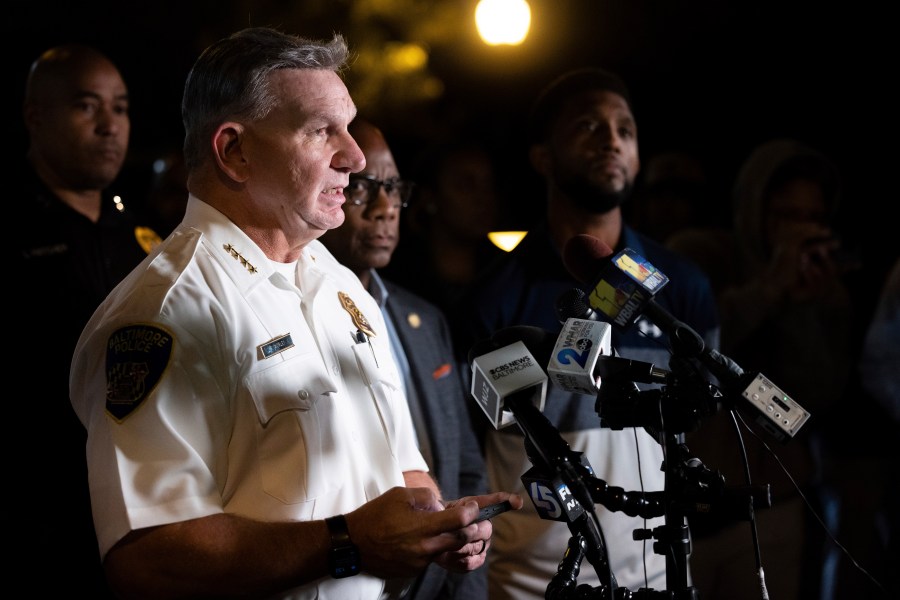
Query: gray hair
[[231, 79]]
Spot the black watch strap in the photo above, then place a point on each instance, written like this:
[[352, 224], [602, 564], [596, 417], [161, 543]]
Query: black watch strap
[[343, 560]]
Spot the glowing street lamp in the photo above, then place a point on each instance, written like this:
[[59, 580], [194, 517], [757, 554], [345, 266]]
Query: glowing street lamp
[[503, 21]]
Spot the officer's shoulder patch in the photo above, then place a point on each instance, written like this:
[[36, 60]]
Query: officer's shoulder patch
[[136, 358]]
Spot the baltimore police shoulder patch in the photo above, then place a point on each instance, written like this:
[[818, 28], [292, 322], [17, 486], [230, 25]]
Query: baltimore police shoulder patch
[[136, 358]]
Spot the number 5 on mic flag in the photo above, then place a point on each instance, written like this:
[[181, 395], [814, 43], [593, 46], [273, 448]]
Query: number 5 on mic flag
[[551, 497]]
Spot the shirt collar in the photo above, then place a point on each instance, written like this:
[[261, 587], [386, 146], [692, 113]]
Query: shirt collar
[[377, 289], [241, 257]]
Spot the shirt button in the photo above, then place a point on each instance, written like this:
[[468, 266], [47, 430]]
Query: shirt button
[[336, 370], [303, 395]]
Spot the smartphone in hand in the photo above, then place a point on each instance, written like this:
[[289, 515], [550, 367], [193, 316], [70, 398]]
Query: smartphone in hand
[[492, 510]]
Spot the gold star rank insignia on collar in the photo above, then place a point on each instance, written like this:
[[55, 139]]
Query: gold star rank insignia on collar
[[237, 255], [359, 319]]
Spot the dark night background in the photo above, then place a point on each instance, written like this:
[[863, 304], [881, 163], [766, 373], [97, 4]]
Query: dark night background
[[713, 78]]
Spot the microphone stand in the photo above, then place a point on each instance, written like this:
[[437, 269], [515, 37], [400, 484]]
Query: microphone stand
[[666, 413], [674, 537], [552, 458], [678, 406], [551, 455]]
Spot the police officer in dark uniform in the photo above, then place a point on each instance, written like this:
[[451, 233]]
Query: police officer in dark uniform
[[74, 240]]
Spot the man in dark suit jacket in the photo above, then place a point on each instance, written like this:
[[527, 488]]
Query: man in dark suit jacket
[[420, 337]]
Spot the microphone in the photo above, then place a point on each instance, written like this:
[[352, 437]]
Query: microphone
[[571, 304], [511, 387], [585, 255], [583, 356], [551, 496], [574, 361], [504, 372], [624, 290], [627, 283]]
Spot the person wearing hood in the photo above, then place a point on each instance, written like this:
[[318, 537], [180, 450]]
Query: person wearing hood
[[785, 312]]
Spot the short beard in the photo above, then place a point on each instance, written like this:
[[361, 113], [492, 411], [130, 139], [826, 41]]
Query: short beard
[[593, 198]]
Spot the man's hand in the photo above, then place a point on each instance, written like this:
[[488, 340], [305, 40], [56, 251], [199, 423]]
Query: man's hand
[[403, 530]]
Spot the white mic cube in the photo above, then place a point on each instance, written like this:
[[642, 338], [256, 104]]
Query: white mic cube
[[578, 348], [503, 372]]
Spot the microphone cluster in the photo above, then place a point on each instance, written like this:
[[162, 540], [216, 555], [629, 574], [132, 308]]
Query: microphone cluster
[[624, 290], [510, 385]]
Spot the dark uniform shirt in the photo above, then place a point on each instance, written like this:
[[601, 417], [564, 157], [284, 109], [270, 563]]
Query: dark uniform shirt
[[64, 266]]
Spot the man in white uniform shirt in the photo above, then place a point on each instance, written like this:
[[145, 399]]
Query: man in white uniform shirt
[[247, 430]]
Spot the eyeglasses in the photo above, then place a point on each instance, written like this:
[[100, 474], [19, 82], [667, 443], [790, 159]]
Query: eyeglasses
[[363, 189]]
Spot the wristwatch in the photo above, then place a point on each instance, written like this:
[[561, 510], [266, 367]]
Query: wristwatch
[[343, 560]]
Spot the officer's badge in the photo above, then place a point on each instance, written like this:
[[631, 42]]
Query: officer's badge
[[147, 238], [359, 319], [136, 358]]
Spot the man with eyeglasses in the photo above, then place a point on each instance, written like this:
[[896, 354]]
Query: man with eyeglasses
[[420, 341]]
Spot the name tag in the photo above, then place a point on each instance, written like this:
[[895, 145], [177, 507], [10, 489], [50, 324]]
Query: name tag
[[273, 347]]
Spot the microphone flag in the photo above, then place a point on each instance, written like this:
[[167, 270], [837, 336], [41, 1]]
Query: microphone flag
[[503, 373]]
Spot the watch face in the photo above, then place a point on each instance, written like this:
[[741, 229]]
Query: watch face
[[344, 562]]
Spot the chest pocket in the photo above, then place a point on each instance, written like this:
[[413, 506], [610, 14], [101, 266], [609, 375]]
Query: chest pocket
[[295, 432], [385, 387]]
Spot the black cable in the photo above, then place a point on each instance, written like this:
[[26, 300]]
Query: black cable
[[812, 509], [753, 530]]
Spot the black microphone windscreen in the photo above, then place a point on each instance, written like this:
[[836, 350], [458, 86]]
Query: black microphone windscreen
[[480, 348], [572, 305], [538, 341], [582, 256]]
